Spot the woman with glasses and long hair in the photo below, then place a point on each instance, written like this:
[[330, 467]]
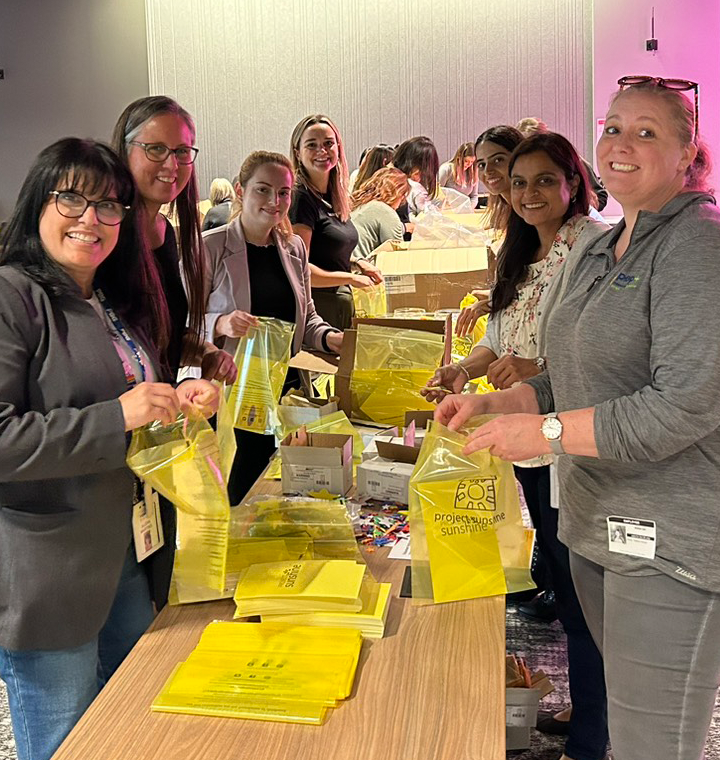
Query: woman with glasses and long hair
[[320, 215], [259, 268], [155, 136], [374, 210], [461, 173], [548, 228], [630, 402], [84, 341]]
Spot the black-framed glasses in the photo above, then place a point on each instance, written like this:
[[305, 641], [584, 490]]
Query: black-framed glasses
[[681, 85], [73, 205], [159, 152]]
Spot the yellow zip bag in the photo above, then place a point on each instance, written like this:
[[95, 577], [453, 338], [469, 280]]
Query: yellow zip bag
[[468, 538], [262, 357]]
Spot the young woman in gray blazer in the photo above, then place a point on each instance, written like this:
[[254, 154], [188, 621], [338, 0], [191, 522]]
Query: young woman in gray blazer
[[83, 344], [258, 267]]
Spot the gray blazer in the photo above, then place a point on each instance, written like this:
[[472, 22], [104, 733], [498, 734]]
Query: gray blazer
[[65, 492], [229, 284]]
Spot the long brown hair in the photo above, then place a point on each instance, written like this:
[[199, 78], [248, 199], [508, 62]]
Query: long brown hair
[[387, 185], [375, 159], [249, 166], [338, 181], [509, 138], [460, 174], [190, 242]]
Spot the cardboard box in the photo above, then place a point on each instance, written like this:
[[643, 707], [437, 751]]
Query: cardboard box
[[521, 707], [294, 416], [326, 463], [431, 278], [370, 451], [347, 357], [387, 476]]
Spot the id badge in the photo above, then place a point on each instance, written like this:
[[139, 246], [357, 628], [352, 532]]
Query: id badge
[[147, 528], [636, 538]]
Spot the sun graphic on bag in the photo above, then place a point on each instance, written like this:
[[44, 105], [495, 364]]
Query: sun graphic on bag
[[476, 493]]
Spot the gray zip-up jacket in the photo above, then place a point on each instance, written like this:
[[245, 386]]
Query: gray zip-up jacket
[[639, 340]]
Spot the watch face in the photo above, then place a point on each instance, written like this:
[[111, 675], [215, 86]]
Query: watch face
[[552, 428]]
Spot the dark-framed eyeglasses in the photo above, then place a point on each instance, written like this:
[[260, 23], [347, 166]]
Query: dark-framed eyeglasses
[[73, 205], [681, 85], [158, 152]]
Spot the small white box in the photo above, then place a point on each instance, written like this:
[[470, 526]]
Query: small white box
[[324, 464], [295, 416], [371, 451], [521, 707], [384, 480]]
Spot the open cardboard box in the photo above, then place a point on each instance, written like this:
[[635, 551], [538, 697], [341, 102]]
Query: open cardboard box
[[387, 476], [347, 356], [325, 463], [312, 409], [431, 278]]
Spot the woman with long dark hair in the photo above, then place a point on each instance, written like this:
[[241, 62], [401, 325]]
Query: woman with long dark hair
[[376, 158], [155, 136], [548, 227], [418, 159], [83, 345]]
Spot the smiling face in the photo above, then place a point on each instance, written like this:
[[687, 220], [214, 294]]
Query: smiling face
[[540, 192], [266, 197], [79, 245], [161, 182], [492, 162], [318, 151], [641, 159]]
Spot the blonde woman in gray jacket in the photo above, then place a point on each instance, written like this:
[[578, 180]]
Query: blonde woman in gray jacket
[[631, 403], [257, 267], [548, 226]]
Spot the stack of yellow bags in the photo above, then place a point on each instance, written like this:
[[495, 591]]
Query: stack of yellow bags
[[370, 619], [303, 585], [264, 671]]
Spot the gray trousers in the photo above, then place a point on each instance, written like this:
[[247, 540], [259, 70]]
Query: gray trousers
[[660, 640]]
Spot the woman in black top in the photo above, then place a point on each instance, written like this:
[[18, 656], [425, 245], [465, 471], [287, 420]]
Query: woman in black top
[[155, 136], [320, 215], [259, 268]]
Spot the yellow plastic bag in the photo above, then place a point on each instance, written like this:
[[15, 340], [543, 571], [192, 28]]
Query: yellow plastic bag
[[463, 346], [262, 358], [370, 302], [182, 461], [468, 538], [391, 366], [226, 436]]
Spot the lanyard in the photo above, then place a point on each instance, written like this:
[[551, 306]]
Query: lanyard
[[125, 335]]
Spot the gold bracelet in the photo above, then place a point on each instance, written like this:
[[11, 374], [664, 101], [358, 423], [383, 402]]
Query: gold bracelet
[[465, 370]]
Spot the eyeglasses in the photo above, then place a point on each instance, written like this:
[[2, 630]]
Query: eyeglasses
[[669, 84], [73, 205], [158, 152]]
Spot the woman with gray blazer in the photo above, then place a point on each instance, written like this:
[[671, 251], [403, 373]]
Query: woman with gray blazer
[[259, 268], [82, 346]]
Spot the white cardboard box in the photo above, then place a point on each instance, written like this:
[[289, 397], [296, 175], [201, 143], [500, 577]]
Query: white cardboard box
[[384, 479], [295, 416], [521, 707], [324, 464], [370, 451]]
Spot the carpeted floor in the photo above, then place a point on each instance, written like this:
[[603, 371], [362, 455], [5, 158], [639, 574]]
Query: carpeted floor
[[541, 644]]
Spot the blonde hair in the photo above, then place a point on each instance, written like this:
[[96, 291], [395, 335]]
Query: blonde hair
[[339, 178], [683, 118], [460, 174], [249, 166], [531, 125], [221, 190], [387, 185]]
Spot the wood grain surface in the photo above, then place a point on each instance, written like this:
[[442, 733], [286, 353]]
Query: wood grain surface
[[432, 689]]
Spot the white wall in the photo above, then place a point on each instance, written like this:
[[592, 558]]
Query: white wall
[[689, 48], [384, 70], [71, 66]]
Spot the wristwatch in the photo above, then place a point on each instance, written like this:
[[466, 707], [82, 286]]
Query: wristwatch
[[552, 430], [540, 363]]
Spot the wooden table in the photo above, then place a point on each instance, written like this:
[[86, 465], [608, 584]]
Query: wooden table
[[432, 689]]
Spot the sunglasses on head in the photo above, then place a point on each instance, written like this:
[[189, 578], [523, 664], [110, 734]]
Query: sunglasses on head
[[680, 85]]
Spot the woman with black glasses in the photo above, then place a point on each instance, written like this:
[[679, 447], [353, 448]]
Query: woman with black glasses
[[630, 402], [83, 343]]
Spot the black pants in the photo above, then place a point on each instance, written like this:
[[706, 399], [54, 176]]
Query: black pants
[[254, 452], [588, 733]]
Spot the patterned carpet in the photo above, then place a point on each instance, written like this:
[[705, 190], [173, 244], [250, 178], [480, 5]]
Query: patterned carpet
[[543, 647]]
